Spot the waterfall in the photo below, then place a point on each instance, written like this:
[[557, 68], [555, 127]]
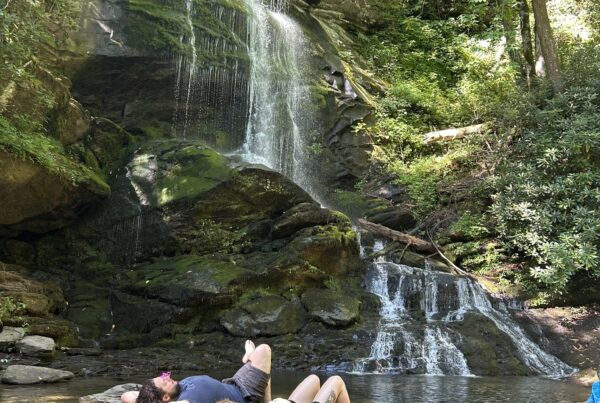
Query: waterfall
[[211, 76], [415, 335], [258, 107], [192, 65], [278, 95], [473, 297]]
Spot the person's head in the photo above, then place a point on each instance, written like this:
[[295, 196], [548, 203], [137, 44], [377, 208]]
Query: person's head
[[158, 390]]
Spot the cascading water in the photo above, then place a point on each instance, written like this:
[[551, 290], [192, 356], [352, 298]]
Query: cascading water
[[414, 333], [278, 94], [211, 76]]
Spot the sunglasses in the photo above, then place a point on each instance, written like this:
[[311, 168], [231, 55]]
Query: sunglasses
[[165, 375]]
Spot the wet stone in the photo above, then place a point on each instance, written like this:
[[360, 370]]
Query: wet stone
[[10, 336], [27, 375]]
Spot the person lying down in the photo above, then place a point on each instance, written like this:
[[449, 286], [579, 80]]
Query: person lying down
[[250, 384]]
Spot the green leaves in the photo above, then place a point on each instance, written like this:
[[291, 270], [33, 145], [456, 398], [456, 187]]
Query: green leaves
[[548, 192]]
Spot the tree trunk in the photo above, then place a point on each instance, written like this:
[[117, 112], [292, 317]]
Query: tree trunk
[[547, 44], [412, 241], [526, 40], [452, 134]]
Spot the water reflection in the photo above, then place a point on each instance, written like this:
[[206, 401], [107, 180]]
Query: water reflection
[[362, 388]]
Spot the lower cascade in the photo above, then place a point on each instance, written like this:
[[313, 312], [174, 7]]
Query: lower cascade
[[418, 330]]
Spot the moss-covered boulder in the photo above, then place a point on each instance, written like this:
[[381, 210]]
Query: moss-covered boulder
[[331, 307], [331, 248], [487, 349], [192, 281], [27, 302], [266, 316], [39, 197], [22, 295]]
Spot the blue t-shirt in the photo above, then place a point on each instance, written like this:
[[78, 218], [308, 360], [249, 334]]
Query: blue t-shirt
[[595, 396], [204, 389]]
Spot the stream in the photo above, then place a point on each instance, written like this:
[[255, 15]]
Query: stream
[[362, 388]]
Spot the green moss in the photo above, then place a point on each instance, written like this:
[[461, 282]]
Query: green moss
[[193, 170], [220, 272], [49, 154]]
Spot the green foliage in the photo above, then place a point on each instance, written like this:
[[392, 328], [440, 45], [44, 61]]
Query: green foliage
[[470, 226], [9, 308], [31, 33], [47, 153], [549, 189]]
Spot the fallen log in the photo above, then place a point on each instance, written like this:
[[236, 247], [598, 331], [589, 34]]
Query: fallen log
[[452, 134], [411, 241]]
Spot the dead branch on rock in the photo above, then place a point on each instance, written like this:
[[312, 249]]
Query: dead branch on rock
[[452, 134]]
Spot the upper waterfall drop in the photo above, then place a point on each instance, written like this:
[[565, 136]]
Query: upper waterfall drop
[[278, 118]]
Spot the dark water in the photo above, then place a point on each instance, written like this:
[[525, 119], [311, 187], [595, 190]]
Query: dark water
[[363, 389]]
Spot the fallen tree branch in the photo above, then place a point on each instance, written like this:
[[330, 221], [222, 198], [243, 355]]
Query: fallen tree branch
[[452, 134], [439, 252], [411, 241]]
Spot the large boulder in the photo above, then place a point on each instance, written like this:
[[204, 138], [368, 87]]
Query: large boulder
[[190, 280], [26, 375], [40, 198], [36, 345], [266, 316], [331, 307]]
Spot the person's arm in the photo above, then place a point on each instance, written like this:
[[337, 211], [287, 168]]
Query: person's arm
[[129, 397]]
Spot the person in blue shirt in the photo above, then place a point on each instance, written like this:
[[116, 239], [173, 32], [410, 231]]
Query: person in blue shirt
[[250, 384], [595, 396]]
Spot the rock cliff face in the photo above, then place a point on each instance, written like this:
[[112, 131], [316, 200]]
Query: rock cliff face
[[151, 233]]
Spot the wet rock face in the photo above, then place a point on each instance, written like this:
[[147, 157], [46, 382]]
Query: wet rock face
[[331, 307], [188, 243], [570, 333], [267, 316]]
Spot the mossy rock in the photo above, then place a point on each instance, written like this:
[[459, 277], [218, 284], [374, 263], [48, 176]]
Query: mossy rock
[[25, 296], [266, 316], [302, 216], [89, 309], [331, 248], [488, 351], [249, 196], [192, 281], [109, 143], [71, 122], [39, 197], [187, 172], [61, 330], [331, 307], [140, 315]]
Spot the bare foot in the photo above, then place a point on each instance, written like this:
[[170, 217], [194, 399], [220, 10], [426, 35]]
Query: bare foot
[[249, 346]]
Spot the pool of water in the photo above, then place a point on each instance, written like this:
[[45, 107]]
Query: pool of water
[[362, 388]]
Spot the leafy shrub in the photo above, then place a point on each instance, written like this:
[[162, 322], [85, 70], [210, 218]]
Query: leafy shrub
[[548, 190]]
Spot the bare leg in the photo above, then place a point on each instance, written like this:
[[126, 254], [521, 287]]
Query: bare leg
[[306, 391], [261, 358], [333, 390]]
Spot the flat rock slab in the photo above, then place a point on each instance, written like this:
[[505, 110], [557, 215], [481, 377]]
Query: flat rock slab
[[36, 345], [27, 375], [10, 336], [112, 395]]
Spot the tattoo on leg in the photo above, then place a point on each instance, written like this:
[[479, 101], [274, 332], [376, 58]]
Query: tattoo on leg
[[331, 399]]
